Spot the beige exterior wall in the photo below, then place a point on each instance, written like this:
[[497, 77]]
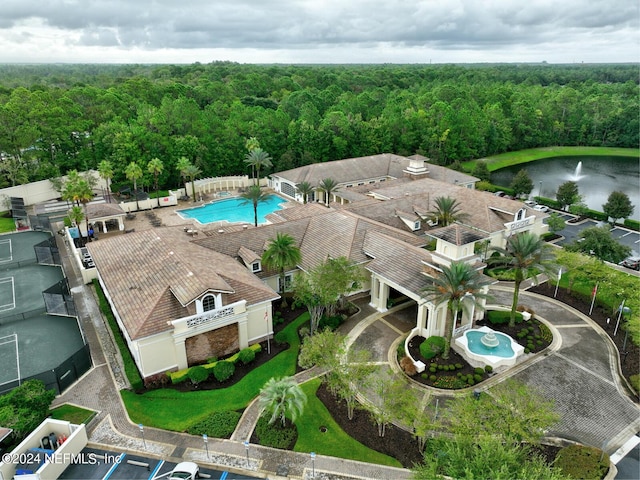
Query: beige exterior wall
[[157, 354]]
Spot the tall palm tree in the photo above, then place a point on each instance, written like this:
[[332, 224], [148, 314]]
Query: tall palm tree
[[328, 186], [78, 190], [305, 189], [105, 170], [281, 254], [257, 158], [254, 195], [526, 255], [446, 211], [182, 165], [155, 167], [461, 287], [192, 172], [133, 172], [282, 398]]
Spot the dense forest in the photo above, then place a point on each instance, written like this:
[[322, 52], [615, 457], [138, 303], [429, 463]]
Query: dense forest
[[54, 118]]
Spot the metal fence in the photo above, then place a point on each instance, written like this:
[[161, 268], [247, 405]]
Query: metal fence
[[60, 377], [47, 252], [58, 299]]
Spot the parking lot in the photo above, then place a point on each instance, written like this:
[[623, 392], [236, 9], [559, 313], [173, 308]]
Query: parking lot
[[112, 465]]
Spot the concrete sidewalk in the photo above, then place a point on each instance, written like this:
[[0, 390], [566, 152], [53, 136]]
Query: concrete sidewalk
[[581, 374]]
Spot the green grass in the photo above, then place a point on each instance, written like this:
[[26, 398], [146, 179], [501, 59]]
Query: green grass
[[524, 156], [334, 442], [172, 410], [7, 224], [73, 414]]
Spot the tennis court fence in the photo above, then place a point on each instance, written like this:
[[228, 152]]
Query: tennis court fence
[[62, 376]]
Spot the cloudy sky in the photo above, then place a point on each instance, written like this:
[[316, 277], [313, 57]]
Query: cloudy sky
[[319, 31]]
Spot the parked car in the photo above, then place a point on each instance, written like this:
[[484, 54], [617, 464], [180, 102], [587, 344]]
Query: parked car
[[185, 471], [531, 203], [541, 208], [631, 262]]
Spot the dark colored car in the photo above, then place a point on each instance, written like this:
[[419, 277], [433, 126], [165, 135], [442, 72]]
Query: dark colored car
[[631, 262]]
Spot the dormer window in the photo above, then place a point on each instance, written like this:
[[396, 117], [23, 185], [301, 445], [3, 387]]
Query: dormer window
[[208, 303], [520, 215], [256, 267], [416, 226]]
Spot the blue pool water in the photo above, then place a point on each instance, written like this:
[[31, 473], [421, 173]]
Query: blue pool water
[[232, 210], [502, 350]]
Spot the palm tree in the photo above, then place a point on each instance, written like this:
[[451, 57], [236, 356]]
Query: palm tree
[[282, 398], [257, 158], [281, 254], [105, 169], [76, 215], [305, 189], [328, 186], [255, 195], [182, 165], [134, 172], [78, 190], [155, 167], [446, 211], [192, 172], [461, 287], [526, 255]]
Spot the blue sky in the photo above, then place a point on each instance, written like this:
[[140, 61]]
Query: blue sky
[[312, 31]]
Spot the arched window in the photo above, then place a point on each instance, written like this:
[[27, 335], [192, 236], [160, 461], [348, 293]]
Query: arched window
[[520, 214], [209, 303]]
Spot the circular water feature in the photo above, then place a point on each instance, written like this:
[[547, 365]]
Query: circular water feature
[[484, 346]]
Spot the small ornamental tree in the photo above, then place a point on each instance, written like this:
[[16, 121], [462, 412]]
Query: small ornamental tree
[[618, 206], [568, 194], [555, 222], [521, 183], [282, 399]]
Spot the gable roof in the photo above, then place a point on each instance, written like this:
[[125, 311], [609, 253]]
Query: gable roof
[[151, 276]]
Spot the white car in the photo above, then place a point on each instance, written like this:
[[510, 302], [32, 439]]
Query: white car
[[531, 203], [541, 208], [185, 471]]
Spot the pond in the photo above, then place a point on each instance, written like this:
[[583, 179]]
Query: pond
[[596, 176]]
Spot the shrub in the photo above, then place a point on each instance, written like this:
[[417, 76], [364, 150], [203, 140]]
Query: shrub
[[477, 377], [478, 371], [400, 351], [579, 461], [424, 375], [458, 366], [433, 369], [223, 370], [471, 382], [246, 355], [218, 424], [281, 338], [198, 374], [275, 435], [330, 322], [432, 378], [432, 346], [635, 382], [407, 366], [488, 368]]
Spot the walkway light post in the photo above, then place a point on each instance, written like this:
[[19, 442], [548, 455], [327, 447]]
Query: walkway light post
[[142, 435], [246, 448], [313, 464], [206, 443]]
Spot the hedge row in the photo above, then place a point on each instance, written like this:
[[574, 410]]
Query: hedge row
[[130, 368], [184, 374]]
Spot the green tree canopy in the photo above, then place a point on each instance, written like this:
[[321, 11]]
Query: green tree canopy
[[618, 206], [461, 287], [555, 222], [521, 183], [599, 242], [526, 255], [282, 399], [446, 211], [281, 254], [568, 194], [328, 186], [305, 189]]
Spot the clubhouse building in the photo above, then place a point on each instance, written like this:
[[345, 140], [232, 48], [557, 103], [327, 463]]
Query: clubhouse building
[[180, 299]]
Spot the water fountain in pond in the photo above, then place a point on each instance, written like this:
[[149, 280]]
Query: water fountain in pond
[[577, 174]]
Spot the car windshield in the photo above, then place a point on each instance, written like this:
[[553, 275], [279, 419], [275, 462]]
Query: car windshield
[[178, 475]]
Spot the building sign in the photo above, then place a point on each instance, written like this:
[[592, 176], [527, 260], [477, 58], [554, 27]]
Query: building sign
[[209, 317], [519, 225]]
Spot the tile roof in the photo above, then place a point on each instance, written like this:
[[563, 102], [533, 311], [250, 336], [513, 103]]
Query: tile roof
[[96, 211], [397, 261], [457, 234], [152, 275]]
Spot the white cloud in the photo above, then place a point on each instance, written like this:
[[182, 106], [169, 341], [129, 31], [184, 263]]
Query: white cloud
[[319, 31]]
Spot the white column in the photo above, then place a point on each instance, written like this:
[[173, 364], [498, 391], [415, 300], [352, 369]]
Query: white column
[[384, 297], [421, 320], [243, 334], [375, 289], [181, 354]]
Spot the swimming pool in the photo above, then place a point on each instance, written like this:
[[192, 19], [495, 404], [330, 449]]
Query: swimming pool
[[232, 210]]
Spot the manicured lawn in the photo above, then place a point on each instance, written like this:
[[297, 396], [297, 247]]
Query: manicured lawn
[[334, 442], [7, 224], [524, 156], [172, 410], [73, 414]]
